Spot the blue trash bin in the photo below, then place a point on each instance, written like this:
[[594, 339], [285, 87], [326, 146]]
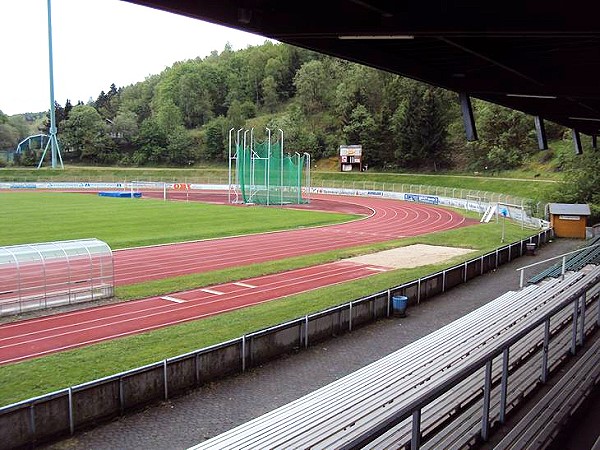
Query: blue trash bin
[[399, 304]]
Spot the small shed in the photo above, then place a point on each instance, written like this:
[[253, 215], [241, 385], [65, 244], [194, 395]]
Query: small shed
[[569, 220]]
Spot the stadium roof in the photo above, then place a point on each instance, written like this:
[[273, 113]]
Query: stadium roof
[[540, 57]]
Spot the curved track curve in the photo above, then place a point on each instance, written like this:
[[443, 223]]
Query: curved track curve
[[389, 220]]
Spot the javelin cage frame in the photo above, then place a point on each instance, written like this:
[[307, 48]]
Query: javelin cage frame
[[244, 139]]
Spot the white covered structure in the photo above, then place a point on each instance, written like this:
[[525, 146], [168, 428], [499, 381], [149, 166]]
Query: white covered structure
[[44, 275]]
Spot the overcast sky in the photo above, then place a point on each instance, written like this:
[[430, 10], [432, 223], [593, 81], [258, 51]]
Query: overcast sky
[[95, 43]]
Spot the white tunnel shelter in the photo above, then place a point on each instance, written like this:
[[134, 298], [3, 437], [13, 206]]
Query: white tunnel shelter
[[49, 274]]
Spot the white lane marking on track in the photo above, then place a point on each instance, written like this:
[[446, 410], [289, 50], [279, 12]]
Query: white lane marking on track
[[239, 283], [152, 326], [272, 285], [173, 299], [377, 269], [212, 291]]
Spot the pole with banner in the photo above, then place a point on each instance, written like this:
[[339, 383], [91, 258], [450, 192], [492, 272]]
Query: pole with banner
[[504, 213]]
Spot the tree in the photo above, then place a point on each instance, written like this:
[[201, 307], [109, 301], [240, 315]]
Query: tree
[[168, 116], [311, 86], [85, 133], [194, 99], [360, 128], [269, 93], [238, 113], [214, 148], [125, 127], [138, 98], [405, 125], [581, 181], [180, 149], [433, 128], [107, 104], [505, 137], [9, 136], [152, 142], [420, 128]]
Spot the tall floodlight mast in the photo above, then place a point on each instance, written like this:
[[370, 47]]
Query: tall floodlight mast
[[53, 142]]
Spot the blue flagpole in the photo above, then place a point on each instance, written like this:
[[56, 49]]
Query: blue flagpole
[[53, 140]]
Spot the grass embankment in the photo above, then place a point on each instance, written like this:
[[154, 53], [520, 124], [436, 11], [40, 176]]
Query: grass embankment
[[516, 183], [116, 174], [526, 188], [35, 377], [41, 217]]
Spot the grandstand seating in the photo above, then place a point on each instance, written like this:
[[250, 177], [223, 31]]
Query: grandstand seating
[[433, 392], [591, 255], [541, 424]]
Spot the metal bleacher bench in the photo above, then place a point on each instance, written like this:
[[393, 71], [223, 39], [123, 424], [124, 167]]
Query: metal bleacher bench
[[543, 422], [444, 390], [590, 254]]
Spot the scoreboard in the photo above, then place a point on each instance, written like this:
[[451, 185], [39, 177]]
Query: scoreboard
[[350, 158]]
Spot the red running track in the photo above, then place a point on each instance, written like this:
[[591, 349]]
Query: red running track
[[41, 336], [390, 219]]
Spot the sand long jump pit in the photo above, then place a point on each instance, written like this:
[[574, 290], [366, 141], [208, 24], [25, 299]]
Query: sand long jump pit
[[411, 256]]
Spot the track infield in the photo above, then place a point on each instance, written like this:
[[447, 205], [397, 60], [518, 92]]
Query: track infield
[[388, 220]]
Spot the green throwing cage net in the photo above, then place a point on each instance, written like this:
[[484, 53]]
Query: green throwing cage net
[[266, 176]]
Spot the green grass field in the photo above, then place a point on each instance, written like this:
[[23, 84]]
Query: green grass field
[[29, 217]]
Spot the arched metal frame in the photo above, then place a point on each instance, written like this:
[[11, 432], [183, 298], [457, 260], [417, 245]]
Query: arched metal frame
[[49, 274]]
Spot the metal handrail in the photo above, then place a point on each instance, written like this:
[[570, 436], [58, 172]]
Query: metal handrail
[[564, 260]]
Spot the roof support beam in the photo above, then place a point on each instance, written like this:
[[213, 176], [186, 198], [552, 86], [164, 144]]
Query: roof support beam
[[540, 130], [491, 60], [577, 142], [467, 114]]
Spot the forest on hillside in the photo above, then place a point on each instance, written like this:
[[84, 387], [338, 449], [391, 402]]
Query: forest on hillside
[[182, 117]]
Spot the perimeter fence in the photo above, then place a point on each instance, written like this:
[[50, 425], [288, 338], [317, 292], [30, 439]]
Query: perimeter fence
[[62, 413], [534, 208]]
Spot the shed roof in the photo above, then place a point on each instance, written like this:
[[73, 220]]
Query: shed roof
[[569, 208]]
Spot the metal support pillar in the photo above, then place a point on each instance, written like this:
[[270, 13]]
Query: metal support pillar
[[574, 332], [268, 166], [299, 177], [504, 385], [540, 130], [243, 353], [577, 142], [229, 177], [487, 391], [307, 176], [582, 319], [281, 180], [467, 114], [545, 351], [594, 141], [415, 440]]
